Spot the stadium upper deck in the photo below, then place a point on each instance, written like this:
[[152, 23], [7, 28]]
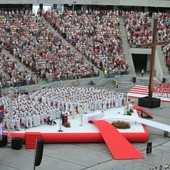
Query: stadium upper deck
[[144, 3]]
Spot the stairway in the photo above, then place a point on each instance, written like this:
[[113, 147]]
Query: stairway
[[152, 22], [30, 139], [7, 53], [161, 59], [126, 47], [21, 66]]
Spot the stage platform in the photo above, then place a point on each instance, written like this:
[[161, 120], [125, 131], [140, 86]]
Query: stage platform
[[81, 131], [98, 129]]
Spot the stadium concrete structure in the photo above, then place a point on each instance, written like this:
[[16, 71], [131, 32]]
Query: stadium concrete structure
[[96, 156], [144, 3]]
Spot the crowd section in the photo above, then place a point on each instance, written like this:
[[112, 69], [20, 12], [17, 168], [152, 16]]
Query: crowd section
[[26, 111], [164, 34], [166, 51], [161, 167], [96, 34], [11, 73], [162, 90], [35, 45], [139, 30], [138, 26]]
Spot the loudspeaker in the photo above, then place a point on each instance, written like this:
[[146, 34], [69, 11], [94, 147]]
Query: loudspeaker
[[134, 79], [166, 134], [163, 80], [17, 143], [149, 148], [38, 152], [4, 141]]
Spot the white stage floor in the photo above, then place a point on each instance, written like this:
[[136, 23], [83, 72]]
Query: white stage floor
[[110, 115]]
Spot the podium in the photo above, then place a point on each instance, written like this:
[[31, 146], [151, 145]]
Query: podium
[[64, 119]]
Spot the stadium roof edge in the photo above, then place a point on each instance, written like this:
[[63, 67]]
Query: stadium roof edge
[[145, 3]]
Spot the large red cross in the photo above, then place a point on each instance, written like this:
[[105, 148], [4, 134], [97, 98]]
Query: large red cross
[[153, 48]]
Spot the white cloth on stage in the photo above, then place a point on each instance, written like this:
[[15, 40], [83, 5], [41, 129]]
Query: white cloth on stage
[[92, 116]]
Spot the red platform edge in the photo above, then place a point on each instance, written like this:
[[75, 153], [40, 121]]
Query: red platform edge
[[63, 137]]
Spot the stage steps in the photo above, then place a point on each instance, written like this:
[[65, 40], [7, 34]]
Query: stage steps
[[30, 139]]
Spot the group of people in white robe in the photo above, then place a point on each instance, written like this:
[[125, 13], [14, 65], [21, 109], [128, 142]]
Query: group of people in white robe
[[27, 111]]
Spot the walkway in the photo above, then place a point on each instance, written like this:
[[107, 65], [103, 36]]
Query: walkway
[[118, 145]]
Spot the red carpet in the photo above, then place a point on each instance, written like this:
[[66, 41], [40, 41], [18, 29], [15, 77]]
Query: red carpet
[[118, 145]]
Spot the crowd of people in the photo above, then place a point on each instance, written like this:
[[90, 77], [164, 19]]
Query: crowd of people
[[96, 34], [11, 73], [36, 46], [34, 109], [161, 167], [139, 30], [166, 51], [138, 26], [164, 34], [162, 90]]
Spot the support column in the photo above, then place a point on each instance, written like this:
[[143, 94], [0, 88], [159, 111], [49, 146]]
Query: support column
[[40, 8], [55, 6], [146, 9]]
